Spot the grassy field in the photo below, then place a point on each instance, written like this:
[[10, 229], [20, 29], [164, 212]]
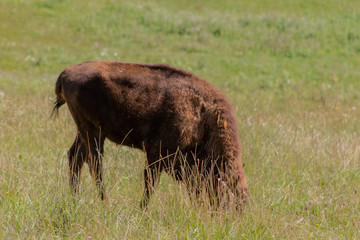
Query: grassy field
[[290, 68]]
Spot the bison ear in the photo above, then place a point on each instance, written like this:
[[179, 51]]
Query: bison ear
[[243, 164]]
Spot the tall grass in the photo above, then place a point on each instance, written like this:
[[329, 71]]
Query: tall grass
[[290, 68]]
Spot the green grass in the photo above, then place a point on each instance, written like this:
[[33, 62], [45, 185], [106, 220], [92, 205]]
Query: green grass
[[290, 68]]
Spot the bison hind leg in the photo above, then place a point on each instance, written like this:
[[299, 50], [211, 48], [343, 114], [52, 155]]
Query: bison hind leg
[[87, 147], [76, 155], [95, 152]]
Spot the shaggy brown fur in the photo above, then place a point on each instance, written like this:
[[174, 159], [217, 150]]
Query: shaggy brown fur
[[180, 120]]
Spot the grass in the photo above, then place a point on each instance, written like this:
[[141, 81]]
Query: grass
[[290, 68]]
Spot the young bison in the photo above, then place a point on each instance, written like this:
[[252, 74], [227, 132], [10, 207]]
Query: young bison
[[181, 121]]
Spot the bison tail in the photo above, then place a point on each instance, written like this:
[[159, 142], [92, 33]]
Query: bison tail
[[60, 100]]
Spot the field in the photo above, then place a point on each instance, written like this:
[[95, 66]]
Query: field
[[290, 68]]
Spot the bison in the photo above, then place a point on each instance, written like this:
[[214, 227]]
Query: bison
[[182, 122]]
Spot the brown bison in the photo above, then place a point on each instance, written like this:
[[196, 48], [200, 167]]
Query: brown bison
[[181, 121]]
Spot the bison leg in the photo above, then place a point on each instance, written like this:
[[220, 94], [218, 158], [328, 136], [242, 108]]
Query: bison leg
[[94, 161], [152, 173], [76, 155]]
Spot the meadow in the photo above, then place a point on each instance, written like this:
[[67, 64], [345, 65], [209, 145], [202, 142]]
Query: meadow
[[291, 69]]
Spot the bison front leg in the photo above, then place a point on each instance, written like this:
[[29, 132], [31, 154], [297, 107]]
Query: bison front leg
[[152, 173], [76, 155]]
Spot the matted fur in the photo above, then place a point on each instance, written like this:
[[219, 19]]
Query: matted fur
[[157, 108]]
